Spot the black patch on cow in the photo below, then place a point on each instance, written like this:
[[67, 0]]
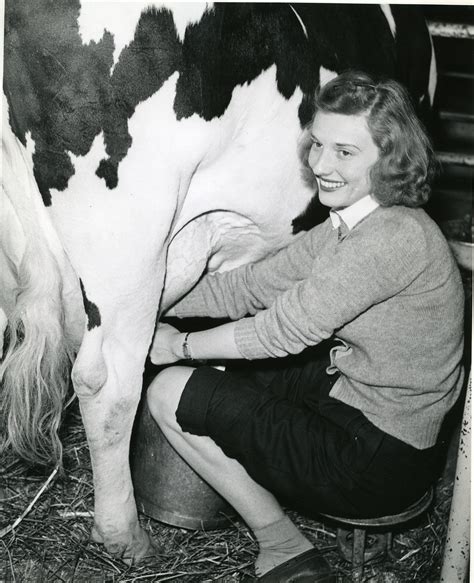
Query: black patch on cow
[[64, 93], [143, 67], [314, 214], [413, 39], [92, 311], [53, 85], [234, 43], [346, 36]]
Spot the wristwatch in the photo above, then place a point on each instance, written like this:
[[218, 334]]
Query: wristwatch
[[186, 349]]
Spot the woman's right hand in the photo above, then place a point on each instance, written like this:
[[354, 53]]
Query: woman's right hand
[[167, 345]]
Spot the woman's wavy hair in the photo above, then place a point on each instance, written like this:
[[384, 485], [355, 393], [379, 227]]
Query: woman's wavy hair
[[406, 163]]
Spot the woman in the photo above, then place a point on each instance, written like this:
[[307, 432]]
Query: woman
[[352, 428]]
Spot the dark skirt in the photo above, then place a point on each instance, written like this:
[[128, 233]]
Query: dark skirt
[[311, 451]]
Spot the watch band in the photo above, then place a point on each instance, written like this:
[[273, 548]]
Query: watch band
[[186, 349]]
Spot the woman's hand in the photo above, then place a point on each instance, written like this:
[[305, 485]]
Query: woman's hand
[[166, 346]]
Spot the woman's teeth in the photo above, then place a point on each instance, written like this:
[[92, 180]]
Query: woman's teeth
[[330, 185]]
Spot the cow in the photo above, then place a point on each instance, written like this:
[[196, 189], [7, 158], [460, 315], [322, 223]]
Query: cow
[[144, 144]]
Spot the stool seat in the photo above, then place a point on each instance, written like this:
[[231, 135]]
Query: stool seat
[[391, 519], [352, 543]]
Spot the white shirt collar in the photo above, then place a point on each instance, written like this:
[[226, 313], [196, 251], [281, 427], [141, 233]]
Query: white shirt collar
[[354, 213]]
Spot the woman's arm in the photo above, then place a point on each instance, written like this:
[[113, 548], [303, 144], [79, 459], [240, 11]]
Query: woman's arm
[[216, 343], [253, 287]]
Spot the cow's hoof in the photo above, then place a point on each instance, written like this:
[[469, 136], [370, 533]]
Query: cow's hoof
[[132, 549]]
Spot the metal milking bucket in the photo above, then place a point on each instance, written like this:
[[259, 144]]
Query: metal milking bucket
[[166, 487]]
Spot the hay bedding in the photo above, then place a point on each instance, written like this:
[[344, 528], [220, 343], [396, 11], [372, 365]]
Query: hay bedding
[[51, 543]]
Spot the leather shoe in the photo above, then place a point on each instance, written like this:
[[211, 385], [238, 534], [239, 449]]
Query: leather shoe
[[308, 567]]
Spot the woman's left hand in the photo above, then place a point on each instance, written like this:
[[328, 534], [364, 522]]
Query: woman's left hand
[[166, 345]]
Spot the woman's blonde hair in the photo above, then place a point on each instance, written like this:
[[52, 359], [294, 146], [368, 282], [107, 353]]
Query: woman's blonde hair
[[406, 164]]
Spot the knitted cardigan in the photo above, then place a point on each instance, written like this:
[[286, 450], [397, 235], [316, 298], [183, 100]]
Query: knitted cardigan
[[389, 291]]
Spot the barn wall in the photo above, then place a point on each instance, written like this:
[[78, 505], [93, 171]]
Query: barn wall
[[453, 130]]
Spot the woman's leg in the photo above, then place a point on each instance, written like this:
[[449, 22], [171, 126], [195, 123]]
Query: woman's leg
[[278, 538]]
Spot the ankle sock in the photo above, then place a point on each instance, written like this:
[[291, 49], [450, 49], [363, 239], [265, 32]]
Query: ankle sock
[[278, 542]]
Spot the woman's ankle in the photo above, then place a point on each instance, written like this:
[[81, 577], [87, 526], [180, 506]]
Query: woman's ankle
[[278, 542]]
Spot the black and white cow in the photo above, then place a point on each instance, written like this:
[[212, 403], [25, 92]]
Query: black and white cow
[[142, 144]]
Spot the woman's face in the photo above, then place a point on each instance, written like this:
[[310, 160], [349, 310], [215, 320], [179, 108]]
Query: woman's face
[[341, 155]]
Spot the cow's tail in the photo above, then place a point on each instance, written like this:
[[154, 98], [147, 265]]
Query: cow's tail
[[34, 377], [34, 370]]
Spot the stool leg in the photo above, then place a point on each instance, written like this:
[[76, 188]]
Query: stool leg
[[390, 552], [358, 550]]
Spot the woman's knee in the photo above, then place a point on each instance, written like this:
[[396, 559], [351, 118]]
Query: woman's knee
[[165, 391]]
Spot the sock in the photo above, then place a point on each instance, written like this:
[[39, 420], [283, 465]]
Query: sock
[[278, 542]]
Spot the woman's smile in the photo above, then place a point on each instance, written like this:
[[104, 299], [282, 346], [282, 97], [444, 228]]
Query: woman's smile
[[329, 185]]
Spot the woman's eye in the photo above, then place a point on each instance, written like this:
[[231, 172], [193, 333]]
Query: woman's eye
[[344, 153], [316, 145]]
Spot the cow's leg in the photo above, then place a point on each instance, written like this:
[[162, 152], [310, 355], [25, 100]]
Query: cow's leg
[[107, 377], [118, 250], [117, 240]]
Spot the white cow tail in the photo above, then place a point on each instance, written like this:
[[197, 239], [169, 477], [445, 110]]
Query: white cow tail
[[34, 377], [35, 369]]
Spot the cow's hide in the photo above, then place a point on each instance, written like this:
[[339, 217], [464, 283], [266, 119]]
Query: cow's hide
[[142, 144]]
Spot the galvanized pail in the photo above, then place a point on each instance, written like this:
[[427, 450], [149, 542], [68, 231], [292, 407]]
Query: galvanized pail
[[166, 487]]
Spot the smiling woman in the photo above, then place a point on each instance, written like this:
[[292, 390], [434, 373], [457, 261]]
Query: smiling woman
[[371, 301]]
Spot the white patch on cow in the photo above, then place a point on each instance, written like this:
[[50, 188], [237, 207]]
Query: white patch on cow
[[259, 131], [325, 75], [30, 145], [12, 249], [389, 16], [120, 19], [186, 13], [300, 20]]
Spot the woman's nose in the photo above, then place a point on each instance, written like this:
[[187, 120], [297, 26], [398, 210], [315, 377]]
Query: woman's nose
[[320, 161]]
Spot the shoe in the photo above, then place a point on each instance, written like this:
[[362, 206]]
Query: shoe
[[308, 567]]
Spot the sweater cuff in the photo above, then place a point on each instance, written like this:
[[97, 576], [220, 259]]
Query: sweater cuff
[[247, 341], [191, 306]]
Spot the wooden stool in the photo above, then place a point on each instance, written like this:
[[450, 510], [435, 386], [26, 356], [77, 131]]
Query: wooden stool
[[352, 543]]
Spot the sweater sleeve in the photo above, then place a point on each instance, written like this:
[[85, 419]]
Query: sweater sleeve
[[364, 270], [253, 287]]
